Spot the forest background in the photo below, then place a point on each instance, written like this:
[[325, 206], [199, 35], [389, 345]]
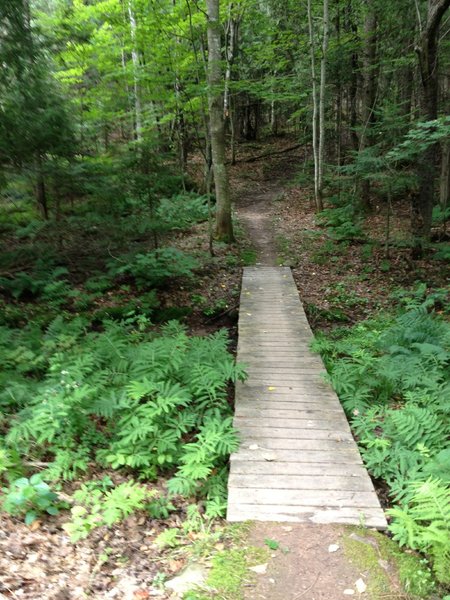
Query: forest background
[[114, 115]]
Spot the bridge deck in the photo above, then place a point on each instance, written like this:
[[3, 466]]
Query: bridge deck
[[297, 460]]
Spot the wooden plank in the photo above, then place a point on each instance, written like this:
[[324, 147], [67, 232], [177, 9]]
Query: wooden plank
[[304, 388], [283, 409], [294, 439], [370, 517], [301, 482], [297, 468], [303, 497], [333, 424], [344, 455], [252, 411]]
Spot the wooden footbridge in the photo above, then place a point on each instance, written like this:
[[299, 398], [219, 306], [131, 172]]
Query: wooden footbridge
[[297, 460]]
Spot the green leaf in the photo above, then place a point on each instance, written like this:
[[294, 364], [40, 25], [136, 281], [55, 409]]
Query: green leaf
[[30, 517]]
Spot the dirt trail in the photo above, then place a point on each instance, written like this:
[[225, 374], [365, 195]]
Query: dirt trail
[[302, 567], [254, 213]]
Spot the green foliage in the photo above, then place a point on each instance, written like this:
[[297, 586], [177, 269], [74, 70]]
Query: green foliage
[[420, 138], [157, 267], [30, 497], [425, 523], [341, 220], [182, 211], [42, 281], [96, 507], [442, 251], [392, 376], [123, 397]]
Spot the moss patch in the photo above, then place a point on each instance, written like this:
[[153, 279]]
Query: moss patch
[[406, 573], [229, 573]]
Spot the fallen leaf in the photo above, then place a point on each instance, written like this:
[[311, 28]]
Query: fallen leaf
[[333, 548], [260, 569], [175, 565], [35, 525]]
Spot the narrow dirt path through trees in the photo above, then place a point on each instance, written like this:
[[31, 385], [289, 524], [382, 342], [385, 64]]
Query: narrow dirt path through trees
[[255, 215]]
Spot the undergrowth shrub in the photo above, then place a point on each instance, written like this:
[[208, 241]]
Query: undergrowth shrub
[[157, 267], [182, 211], [96, 507], [123, 397], [392, 376], [342, 220]]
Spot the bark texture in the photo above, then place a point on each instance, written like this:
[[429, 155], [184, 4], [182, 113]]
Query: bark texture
[[224, 227], [427, 50]]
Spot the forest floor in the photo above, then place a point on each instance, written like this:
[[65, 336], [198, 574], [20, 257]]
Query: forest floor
[[338, 283]]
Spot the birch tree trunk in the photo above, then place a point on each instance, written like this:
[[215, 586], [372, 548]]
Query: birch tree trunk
[[231, 49], [135, 60], [224, 227], [323, 81], [315, 121]]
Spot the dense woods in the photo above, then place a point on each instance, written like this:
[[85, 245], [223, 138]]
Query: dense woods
[[120, 123]]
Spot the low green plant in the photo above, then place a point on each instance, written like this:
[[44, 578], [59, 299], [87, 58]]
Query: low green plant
[[157, 267], [218, 307], [125, 397], [424, 524], [44, 280], [248, 257], [341, 220], [30, 498], [96, 507], [182, 211]]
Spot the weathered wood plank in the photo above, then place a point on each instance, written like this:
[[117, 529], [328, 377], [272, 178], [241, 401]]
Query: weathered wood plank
[[303, 497], [343, 455], [295, 439], [283, 410], [301, 482], [297, 468], [370, 517], [337, 424]]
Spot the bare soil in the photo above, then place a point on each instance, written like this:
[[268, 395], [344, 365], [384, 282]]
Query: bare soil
[[310, 563]]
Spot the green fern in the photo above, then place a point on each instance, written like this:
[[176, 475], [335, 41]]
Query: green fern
[[425, 524], [392, 376], [123, 397]]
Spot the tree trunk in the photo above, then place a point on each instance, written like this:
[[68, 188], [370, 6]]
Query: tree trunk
[[231, 50], [315, 120], [427, 50], [135, 59], [41, 191], [224, 226], [369, 90], [444, 187], [323, 68]]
